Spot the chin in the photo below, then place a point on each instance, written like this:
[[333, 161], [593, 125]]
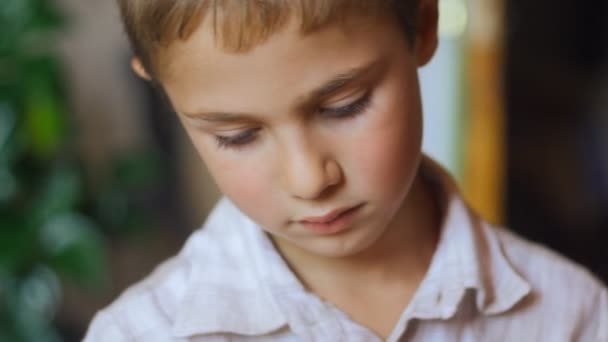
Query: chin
[[343, 246]]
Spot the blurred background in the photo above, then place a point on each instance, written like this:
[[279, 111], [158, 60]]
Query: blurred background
[[98, 183]]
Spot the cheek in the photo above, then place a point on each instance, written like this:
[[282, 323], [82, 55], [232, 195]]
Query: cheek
[[388, 160], [387, 157], [244, 182], [241, 186]]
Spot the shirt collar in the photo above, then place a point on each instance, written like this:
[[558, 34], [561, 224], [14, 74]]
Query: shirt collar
[[468, 256]]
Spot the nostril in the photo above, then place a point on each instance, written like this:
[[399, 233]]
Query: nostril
[[328, 191]]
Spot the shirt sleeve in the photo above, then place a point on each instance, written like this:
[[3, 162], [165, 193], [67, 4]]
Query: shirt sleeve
[[104, 328]]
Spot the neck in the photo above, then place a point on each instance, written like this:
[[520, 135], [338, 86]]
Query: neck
[[400, 257]]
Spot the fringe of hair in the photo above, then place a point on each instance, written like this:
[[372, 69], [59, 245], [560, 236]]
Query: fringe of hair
[[239, 25]]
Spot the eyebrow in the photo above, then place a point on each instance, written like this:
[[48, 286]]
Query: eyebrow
[[328, 88]]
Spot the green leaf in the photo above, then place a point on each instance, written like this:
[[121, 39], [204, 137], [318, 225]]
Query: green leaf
[[17, 242], [8, 122], [10, 146], [44, 120], [7, 289], [47, 17], [60, 193], [75, 249], [39, 294], [30, 306], [14, 16], [22, 20], [8, 184]]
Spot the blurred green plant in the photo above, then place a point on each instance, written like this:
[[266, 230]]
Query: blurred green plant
[[50, 221]]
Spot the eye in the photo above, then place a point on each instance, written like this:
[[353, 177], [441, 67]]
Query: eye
[[238, 140], [350, 109]]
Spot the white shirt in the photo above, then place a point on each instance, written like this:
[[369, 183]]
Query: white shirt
[[484, 284]]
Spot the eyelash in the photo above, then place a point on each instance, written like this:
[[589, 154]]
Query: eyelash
[[244, 138], [238, 140], [350, 110]]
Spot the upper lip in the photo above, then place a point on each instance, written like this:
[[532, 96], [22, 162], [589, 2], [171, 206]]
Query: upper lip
[[332, 215]]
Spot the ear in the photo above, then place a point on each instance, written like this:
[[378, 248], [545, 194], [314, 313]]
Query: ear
[[139, 69], [426, 31]]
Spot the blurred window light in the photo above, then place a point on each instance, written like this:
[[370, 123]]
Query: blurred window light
[[453, 18]]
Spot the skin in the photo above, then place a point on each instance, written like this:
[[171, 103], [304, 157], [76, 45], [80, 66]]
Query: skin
[[300, 155]]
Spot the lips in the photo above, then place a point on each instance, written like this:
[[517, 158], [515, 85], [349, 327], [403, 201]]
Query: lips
[[329, 217], [334, 222]]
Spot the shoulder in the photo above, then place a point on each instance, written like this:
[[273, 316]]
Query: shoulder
[[544, 267], [561, 290], [148, 304], [148, 309]]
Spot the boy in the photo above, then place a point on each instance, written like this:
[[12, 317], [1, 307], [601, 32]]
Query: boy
[[335, 227]]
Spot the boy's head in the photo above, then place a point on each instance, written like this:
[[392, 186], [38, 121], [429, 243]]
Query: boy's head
[[307, 113]]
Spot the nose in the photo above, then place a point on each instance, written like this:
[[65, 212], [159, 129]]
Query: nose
[[309, 172]]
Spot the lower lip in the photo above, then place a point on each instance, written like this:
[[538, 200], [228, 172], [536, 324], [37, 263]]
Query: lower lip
[[339, 224]]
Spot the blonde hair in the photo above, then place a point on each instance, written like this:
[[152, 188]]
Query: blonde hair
[[240, 24]]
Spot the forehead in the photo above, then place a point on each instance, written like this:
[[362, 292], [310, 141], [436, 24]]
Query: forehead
[[199, 73]]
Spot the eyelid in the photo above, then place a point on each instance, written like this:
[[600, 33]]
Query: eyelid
[[350, 108], [237, 133], [349, 98]]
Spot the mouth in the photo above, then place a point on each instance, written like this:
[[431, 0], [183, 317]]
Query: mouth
[[332, 222]]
